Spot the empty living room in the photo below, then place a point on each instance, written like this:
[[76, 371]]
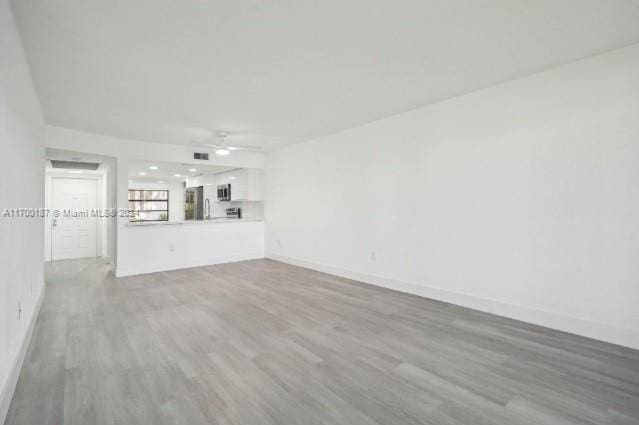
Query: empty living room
[[292, 212]]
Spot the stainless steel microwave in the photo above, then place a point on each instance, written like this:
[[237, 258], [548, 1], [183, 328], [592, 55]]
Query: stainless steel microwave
[[224, 192]]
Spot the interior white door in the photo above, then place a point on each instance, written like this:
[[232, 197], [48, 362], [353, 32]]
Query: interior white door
[[74, 236]]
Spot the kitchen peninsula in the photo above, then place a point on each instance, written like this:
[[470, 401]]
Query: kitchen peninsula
[[190, 217]]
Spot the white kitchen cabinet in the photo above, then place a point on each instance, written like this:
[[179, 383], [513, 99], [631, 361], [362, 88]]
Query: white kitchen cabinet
[[193, 181], [239, 185], [222, 178], [208, 182], [246, 184]]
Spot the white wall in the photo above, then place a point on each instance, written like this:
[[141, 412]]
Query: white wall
[[521, 199], [111, 202], [159, 247], [21, 186]]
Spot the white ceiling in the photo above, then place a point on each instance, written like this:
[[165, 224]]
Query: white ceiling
[[64, 155], [279, 72], [167, 170]]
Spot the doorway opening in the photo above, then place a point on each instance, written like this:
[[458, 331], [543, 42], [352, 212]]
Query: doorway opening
[[79, 193]]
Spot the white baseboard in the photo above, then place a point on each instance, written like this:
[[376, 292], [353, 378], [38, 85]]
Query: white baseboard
[[577, 326], [6, 395], [122, 271]]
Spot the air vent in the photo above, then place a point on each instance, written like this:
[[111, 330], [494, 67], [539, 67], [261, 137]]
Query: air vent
[[201, 155], [74, 165]]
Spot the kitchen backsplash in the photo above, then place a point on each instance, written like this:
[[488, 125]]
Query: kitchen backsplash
[[250, 209]]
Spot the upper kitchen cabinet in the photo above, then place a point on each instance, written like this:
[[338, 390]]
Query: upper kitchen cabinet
[[246, 184]]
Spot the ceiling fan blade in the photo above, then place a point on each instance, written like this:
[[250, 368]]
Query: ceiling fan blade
[[244, 148], [202, 144]]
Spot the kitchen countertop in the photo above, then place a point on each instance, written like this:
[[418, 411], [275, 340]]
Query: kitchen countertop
[[192, 222]]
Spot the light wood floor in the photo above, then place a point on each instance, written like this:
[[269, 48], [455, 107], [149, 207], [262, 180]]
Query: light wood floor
[[260, 342]]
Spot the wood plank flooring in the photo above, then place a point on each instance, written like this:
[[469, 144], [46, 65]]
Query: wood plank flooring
[[260, 342]]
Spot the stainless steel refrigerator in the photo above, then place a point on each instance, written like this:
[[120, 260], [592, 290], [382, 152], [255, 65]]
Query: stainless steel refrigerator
[[194, 203]]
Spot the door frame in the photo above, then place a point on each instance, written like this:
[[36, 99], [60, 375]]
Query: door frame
[[48, 222]]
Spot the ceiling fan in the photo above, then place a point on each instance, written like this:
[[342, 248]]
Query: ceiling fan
[[222, 148]]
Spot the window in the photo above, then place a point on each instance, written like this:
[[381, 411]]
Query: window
[[150, 205]]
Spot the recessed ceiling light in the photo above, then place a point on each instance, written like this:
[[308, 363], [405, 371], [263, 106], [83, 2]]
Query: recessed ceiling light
[[222, 152], [153, 167], [193, 170], [176, 175], [141, 173]]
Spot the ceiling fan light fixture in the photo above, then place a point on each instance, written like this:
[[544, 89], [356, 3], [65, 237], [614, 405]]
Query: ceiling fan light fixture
[[222, 152]]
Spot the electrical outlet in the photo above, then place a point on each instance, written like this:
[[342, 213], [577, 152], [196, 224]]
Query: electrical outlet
[[373, 256], [171, 247]]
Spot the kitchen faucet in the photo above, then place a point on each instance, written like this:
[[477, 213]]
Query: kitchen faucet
[[207, 208]]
